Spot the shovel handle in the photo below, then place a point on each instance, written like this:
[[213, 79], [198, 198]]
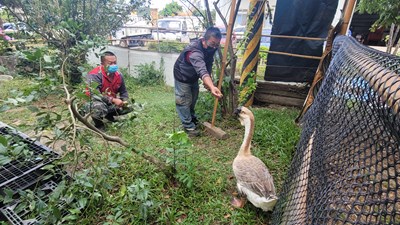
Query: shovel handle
[[224, 56], [214, 112]]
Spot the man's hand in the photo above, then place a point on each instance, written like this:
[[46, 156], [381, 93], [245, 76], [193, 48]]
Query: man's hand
[[216, 92], [206, 87], [210, 86], [118, 102]]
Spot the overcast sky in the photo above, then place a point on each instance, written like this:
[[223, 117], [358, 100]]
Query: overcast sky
[[160, 4]]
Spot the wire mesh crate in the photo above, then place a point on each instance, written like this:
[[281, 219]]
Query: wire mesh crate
[[22, 172], [17, 215]]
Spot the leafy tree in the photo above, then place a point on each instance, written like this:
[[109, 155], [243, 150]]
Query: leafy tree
[[171, 9], [389, 16], [72, 26]]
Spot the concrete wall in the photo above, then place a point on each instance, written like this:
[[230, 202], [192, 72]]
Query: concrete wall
[[129, 58]]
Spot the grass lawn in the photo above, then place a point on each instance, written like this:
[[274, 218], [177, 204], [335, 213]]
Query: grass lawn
[[126, 189]]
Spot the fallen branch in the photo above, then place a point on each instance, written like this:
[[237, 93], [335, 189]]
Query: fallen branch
[[75, 114], [159, 164]]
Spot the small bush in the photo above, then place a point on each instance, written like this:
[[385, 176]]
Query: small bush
[[148, 74], [263, 55], [5, 47]]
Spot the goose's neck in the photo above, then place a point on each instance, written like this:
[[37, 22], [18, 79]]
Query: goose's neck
[[248, 135]]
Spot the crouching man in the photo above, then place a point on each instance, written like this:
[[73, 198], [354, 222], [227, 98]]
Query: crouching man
[[114, 96]]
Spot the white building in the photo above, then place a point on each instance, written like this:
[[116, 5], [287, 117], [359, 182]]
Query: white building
[[241, 19]]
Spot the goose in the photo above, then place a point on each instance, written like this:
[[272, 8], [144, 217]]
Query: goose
[[252, 176]]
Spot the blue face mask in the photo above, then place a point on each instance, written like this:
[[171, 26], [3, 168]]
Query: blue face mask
[[112, 68]]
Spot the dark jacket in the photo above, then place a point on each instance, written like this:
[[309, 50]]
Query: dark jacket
[[193, 63]]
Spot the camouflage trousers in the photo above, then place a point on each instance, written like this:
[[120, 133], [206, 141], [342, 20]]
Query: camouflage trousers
[[100, 110]]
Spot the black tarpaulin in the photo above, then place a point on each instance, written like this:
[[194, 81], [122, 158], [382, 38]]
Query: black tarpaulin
[[306, 18]]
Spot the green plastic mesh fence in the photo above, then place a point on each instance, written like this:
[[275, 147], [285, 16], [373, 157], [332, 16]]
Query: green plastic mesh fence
[[346, 169]]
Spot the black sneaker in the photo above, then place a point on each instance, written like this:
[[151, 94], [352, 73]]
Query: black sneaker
[[99, 124], [110, 118], [195, 121], [193, 132]]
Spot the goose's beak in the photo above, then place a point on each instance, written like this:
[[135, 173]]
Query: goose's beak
[[237, 111]]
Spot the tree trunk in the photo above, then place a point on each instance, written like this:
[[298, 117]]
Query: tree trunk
[[390, 44], [232, 88], [209, 17], [394, 40], [397, 48]]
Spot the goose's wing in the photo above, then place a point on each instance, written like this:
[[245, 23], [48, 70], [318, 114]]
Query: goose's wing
[[251, 173]]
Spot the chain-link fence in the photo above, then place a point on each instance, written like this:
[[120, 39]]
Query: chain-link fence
[[347, 164]]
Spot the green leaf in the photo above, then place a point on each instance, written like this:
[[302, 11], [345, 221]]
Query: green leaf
[[113, 165], [3, 149], [118, 214], [3, 140], [88, 184], [8, 196], [12, 101], [4, 160], [74, 211], [32, 108], [82, 96], [48, 176], [17, 150], [70, 217], [82, 202], [4, 108], [20, 100], [47, 58], [48, 167], [97, 195], [122, 191]]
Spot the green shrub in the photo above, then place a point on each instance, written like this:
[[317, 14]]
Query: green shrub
[[148, 74], [263, 55], [167, 47], [5, 46]]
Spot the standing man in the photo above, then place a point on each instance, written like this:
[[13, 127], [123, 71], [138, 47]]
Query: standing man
[[193, 63], [110, 83]]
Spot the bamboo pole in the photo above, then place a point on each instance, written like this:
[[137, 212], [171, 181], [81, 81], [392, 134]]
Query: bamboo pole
[[319, 75], [224, 56], [293, 55], [294, 37], [201, 32], [348, 12]]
